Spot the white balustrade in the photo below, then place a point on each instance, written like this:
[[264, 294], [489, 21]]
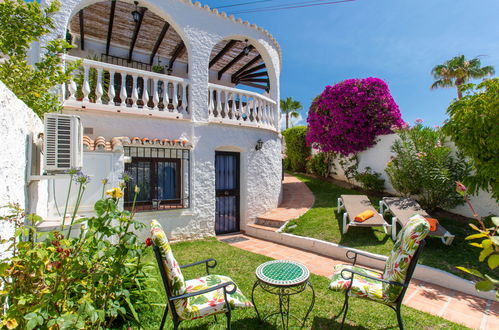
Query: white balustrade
[[238, 107], [95, 85]]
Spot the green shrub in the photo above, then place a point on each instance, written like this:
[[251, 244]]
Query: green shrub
[[473, 127], [297, 151], [424, 167], [370, 180], [95, 280], [318, 164]]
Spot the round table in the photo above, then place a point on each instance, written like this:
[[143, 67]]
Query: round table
[[283, 278]]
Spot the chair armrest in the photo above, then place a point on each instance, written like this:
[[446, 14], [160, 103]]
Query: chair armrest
[[213, 288], [353, 272], [206, 262], [355, 253]]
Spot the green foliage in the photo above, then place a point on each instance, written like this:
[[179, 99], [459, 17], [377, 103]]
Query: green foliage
[[473, 127], [458, 71], [290, 107], [297, 151], [318, 164], [370, 180], [95, 280], [22, 24], [423, 166], [489, 243]]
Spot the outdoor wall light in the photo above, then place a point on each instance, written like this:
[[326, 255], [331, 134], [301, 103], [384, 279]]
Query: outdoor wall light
[[136, 14], [259, 144], [247, 49]]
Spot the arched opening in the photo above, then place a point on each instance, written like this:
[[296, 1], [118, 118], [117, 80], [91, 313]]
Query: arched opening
[[130, 35], [131, 58], [237, 63]]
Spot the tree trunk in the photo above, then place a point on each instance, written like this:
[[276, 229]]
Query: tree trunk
[[287, 119], [459, 93]]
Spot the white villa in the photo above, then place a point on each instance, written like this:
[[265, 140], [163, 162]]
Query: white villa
[[182, 98]]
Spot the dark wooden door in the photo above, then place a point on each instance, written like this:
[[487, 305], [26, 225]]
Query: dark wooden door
[[226, 192]]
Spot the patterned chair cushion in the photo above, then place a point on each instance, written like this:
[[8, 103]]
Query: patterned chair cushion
[[212, 302], [361, 286], [173, 272], [407, 243]]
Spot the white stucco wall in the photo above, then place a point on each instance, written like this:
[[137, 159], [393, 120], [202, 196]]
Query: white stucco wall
[[18, 126], [378, 156]]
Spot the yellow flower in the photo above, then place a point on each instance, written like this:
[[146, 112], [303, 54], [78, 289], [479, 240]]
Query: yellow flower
[[115, 193], [10, 323]]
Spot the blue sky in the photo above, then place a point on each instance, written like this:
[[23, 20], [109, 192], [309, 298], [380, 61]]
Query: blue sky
[[396, 40]]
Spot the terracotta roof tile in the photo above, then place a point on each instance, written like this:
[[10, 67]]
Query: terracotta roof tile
[[116, 143]]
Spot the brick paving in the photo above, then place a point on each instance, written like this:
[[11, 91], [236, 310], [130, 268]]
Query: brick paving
[[455, 306]]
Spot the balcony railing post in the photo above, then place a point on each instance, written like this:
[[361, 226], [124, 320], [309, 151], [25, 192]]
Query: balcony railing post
[[123, 92], [98, 88], [135, 93], [86, 85], [145, 94], [111, 93], [155, 96]]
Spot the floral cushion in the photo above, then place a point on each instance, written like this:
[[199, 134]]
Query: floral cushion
[[211, 302], [398, 262], [173, 272], [361, 286]]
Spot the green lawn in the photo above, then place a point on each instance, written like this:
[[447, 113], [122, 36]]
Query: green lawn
[[322, 222], [240, 265]]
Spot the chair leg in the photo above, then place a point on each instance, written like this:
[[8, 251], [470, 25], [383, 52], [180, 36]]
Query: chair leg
[[228, 320], [399, 317], [345, 226], [345, 305], [163, 320]]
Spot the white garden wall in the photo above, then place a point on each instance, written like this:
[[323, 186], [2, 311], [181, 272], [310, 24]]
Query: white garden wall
[[379, 155], [19, 126]]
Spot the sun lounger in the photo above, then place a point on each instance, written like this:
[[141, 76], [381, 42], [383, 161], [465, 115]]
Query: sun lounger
[[355, 204], [403, 208]]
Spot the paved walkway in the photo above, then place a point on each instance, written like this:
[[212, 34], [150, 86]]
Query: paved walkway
[[449, 304]]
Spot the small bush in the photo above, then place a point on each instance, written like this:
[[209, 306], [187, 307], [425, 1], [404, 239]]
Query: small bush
[[424, 167], [297, 151], [318, 165], [370, 180]]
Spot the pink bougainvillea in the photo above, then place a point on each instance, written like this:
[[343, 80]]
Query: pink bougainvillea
[[347, 117]]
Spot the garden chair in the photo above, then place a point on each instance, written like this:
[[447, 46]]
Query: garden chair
[[403, 208], [390, 286], [355, 204], [197, 298]]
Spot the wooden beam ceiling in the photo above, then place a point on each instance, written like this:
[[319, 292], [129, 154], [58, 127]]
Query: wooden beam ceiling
[[176, 53], [234, 61], [254, 75], [161, 36], [82, 30], [136, 32], [247, 72], [264, 87], [266, 81], [247, 65], [224, 50], [110, 26]]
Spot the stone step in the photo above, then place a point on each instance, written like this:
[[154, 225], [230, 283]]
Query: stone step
[[270, 222], [256, 226]]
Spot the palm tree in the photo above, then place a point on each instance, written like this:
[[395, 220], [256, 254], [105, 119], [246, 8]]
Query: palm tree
[[458, 71], [290, 107]]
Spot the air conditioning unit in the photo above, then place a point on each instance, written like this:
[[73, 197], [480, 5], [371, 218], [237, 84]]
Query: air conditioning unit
[[63, 146]]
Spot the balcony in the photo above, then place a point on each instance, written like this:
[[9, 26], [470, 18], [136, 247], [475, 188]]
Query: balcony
[[108, 87]]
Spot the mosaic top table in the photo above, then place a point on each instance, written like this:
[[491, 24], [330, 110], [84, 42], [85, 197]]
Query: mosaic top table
[[283, 278]]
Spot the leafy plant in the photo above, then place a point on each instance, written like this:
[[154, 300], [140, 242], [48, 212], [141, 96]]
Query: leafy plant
[[423, 166], [370, 180], [319, 164], [349, 165], [22, 24], [347, 117], [158, 68], [93, 279], [489, 244], [472, 126], [290, 107], [458, 71], [297, 150]]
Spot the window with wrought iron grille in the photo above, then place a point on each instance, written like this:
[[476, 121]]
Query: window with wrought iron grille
[[162, 174]]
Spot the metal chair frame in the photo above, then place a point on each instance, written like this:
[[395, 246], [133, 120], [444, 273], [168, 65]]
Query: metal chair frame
[[397, 304], [171, 298]]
